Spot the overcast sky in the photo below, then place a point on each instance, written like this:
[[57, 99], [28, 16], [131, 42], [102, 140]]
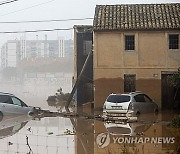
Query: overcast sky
[[27, 10]]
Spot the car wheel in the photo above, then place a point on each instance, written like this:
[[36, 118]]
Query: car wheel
[[1, 116]]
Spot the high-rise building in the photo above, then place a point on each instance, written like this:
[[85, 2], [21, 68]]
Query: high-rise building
[[22, 48], [61, 47], [15, 50], [9, 54], [69, 48]]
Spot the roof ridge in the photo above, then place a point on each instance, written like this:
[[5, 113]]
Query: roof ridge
[[137, 16], [136, 4]]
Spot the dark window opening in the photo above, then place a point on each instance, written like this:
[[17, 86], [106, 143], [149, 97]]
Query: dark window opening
[[174, 41], [129, 82], [129, 42]]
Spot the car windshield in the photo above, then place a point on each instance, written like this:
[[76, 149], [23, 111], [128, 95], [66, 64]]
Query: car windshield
[[118, 98]]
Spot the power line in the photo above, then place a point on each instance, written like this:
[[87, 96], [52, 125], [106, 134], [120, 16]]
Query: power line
[[6, 2], [33, 31], [26, 7], [36, 21]]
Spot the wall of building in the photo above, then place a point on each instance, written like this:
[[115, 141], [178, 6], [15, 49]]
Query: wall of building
[[150, 58]]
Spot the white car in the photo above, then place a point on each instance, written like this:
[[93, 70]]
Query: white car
[[133, 103], [11, 105]]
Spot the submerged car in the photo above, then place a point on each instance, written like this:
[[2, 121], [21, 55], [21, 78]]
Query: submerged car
[[12, 105], [134, 103]]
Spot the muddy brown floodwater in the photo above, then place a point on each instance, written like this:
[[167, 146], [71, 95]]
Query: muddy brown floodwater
[[87, 135], [84, 134]]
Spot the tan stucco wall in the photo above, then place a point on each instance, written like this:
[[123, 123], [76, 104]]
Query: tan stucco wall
[[113, 82], [151, 56]]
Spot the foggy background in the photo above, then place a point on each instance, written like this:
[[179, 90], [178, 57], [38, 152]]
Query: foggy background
[[33, 77]]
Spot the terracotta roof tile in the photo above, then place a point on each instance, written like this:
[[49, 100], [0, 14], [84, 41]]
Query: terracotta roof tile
[[137, 16]]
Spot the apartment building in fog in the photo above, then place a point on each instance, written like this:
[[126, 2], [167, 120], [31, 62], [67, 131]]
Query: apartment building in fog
[[9, 54], [15, 50]]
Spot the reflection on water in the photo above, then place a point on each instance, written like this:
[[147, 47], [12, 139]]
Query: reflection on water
[[87, 136], [9, 125], [130, 129], [43, 137], [149, 135]]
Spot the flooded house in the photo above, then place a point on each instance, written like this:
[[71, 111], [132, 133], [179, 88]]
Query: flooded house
[[136, 47]]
